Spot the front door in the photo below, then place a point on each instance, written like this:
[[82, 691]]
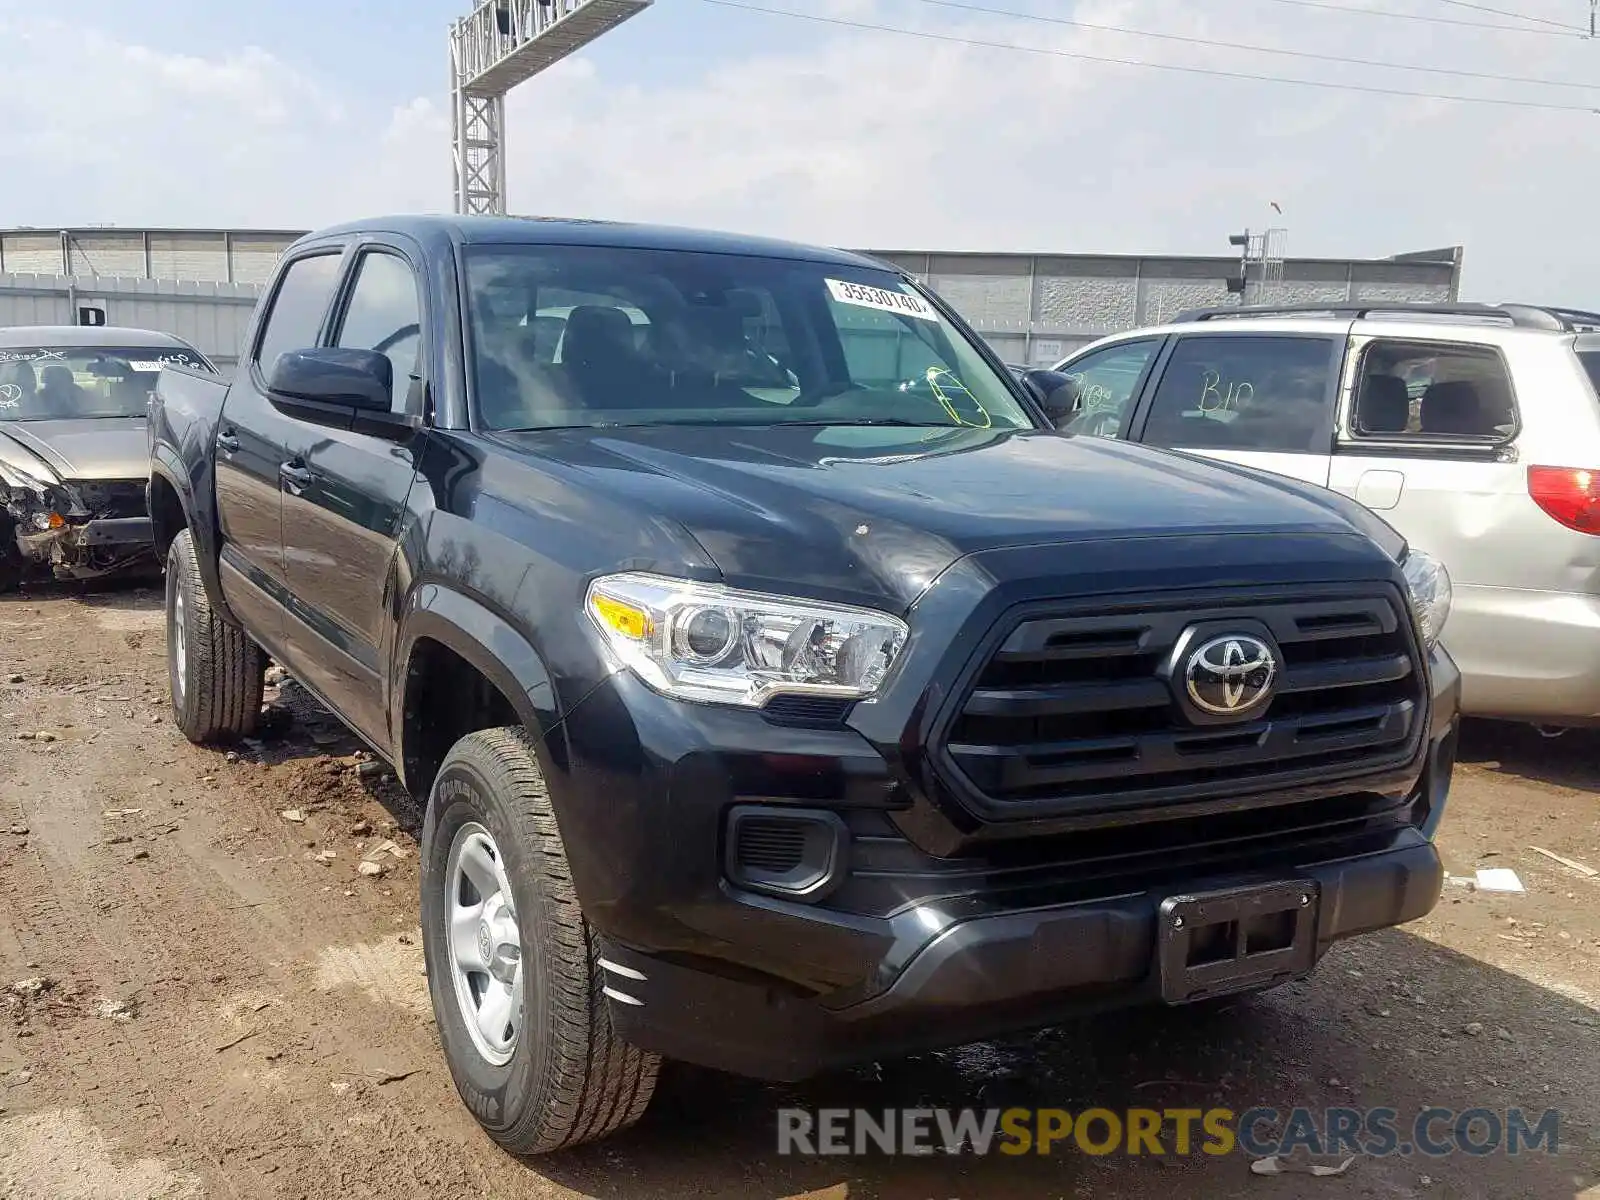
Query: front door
[[1262, 400], [344, 494], [250, 443]]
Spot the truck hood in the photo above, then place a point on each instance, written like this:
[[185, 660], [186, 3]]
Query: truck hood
[[874, 513], [94, 448]]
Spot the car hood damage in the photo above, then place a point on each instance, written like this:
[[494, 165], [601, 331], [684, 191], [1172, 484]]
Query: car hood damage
[[94, 448], [72, 494]]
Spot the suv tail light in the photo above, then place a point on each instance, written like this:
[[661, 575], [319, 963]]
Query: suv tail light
[[1569, 494]]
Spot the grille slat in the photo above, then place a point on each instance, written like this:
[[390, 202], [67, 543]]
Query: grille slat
[[1077, 709]]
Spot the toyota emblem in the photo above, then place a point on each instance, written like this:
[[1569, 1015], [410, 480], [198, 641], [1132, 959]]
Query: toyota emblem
[[1230, 675]]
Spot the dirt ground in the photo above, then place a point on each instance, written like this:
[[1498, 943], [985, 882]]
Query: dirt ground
[[202, 996]]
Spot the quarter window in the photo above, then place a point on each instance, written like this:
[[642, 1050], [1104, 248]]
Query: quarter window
[[301, 302], [1105, 382], [1244, 392], [383, 315], [1420, 391]]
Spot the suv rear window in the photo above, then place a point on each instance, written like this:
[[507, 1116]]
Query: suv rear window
[[1591, 363], [1432, 391]]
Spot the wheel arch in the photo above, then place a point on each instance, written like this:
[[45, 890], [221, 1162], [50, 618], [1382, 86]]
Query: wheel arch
[[441, 629], [173, 508]]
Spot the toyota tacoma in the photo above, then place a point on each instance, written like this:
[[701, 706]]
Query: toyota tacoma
[[783, 689]]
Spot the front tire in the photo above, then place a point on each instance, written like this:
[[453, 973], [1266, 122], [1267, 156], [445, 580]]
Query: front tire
[[513, 966], [214, 669]]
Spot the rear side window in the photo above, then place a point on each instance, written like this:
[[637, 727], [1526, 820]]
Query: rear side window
[[1244, 392], [298, 307], [1429, 392], [1591, 363]]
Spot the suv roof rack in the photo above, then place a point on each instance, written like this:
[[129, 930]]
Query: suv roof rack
[[1523, 316]]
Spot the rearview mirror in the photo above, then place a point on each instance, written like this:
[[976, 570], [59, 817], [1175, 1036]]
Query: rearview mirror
[[1056, 393], [341, 381]]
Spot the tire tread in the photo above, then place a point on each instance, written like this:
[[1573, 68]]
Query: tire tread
[[597, 1084], [226, 668]]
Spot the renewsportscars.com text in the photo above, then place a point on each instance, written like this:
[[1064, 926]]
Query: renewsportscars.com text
[[1259, 1132]]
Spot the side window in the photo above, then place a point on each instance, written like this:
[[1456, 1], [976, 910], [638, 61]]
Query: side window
[[383, 315], [1244, 392], [1428, 391], [298, 307], [1105, 381]]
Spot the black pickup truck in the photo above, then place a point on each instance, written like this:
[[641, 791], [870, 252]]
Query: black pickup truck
[[784, 688]]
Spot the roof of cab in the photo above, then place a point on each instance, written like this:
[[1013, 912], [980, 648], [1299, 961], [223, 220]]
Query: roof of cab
[[554, 231], [65, 337]]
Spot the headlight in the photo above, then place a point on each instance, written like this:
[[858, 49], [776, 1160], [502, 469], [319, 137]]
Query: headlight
[[1429, 584], [699, 641], [15, 478]]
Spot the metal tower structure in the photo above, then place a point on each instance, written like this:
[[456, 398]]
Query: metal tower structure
[[500, 44], [1262, 251]]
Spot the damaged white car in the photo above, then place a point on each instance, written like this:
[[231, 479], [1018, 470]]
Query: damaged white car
[[73, 460]]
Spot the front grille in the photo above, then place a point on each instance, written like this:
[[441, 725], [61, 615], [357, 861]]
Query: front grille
[[118, 498], [1071, 710]]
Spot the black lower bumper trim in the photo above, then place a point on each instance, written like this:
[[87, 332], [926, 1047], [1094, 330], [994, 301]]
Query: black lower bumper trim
[[987, 976]]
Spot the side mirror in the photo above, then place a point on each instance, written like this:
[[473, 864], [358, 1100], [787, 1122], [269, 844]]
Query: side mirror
[[1055, 392], [332, 378], [339, 388]]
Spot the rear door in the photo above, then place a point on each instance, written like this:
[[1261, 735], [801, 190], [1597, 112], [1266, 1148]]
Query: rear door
[[1264, 400], [1426, 437], [251, 437], [344, 492]]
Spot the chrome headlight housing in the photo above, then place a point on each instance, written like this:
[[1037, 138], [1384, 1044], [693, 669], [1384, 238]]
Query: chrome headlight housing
[[1431, 593], [719, 645]]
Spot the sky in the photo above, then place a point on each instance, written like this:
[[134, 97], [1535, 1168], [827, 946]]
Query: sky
[[294, 114]]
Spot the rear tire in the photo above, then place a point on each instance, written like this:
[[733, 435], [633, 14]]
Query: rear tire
[[543, 1069], [214, 669]]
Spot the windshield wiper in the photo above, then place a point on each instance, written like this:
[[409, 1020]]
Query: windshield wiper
[[899, 422]]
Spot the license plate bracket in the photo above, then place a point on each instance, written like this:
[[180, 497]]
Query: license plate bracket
[[1235, 939]]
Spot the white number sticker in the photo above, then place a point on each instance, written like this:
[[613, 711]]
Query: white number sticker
[[882, 299], [145, 366]]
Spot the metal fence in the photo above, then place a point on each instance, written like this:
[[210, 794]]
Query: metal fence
[[1036, 308], [212, 317]]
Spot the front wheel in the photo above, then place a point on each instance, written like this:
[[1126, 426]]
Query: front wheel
[[215, 670], [513, 966]]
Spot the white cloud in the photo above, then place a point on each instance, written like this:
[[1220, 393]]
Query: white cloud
[[864, 138]]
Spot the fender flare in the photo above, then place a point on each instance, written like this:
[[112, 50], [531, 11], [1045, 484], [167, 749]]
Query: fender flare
[[486, 640], [166, 466]]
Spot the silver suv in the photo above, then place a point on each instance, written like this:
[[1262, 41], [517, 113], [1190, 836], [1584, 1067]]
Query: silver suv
[[1474, 430]]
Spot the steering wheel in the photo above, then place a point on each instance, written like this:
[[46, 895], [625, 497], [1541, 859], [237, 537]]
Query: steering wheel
[[1099, 424], [399, 335]]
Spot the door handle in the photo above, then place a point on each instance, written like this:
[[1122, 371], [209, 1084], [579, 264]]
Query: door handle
[[227, 443], [295, 476]]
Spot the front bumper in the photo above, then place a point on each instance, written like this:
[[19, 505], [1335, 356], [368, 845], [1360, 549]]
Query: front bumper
[[980, 978], [93, 548], [911, 951]]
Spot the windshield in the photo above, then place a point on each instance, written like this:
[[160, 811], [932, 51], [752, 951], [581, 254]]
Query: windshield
[[42, 383], [588, 336]]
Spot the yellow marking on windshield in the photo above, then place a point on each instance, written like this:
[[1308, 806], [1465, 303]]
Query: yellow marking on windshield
[[933, 375]]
